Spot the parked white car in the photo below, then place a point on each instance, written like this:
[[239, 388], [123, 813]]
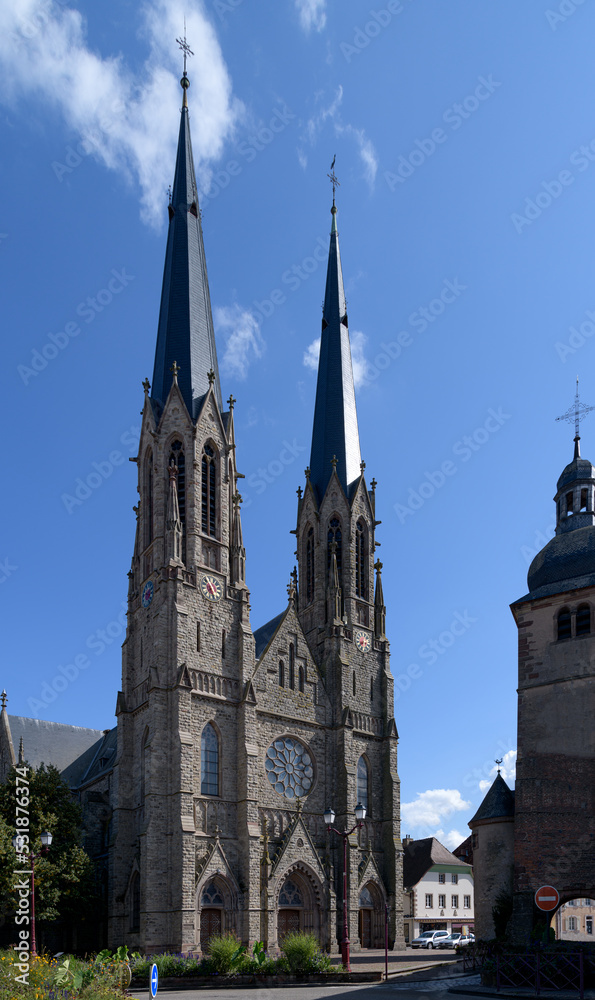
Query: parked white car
[[429, 939]]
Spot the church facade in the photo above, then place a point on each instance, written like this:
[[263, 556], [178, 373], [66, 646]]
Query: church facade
[[232, 742]]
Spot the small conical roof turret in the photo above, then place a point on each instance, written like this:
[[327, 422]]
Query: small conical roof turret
[[335, 432], [185, 333]]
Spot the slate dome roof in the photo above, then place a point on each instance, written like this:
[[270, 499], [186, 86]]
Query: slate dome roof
[[579, 468], [568, 559]]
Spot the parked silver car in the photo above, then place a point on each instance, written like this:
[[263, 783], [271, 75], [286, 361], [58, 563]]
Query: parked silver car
[[429, 939], [451, 941]]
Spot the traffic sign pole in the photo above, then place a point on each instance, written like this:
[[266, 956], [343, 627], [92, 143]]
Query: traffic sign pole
[[547, 898]]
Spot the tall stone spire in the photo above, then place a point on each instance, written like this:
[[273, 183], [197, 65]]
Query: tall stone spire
[[335, 432], [185, 333]]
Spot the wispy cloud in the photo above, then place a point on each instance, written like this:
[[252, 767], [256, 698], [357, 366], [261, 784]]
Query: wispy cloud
[[358, 358], [507, 768], [432, 806], [240, 330], [312, 14], [126, 119], [331, 112]]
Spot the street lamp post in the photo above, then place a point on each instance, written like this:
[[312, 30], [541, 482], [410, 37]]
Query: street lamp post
[[18, 842], [329, 819]]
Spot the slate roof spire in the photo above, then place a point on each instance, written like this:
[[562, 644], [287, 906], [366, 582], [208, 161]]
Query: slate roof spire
[[185, 333], [335, 432]]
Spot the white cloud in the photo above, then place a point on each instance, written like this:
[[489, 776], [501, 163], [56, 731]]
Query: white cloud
[[331, 112], [507, 768], [243, 342], [451, 839], [358, 359], [431, 807], [125, 119], [312, 14]]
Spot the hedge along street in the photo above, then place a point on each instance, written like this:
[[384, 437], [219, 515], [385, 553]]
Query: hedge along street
[[454, 116], [87, 310], [464, 449]]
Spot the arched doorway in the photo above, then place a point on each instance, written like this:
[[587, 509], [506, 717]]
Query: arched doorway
[[371, 916], [215, 911], [299, 903]]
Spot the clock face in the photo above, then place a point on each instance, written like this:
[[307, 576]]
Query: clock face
[[147, 595], [211, 588], [362, 641]]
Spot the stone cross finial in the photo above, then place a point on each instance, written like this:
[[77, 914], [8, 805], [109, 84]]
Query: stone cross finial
[[175, 368], [378, 566], [307, 472], [173, 471], [4, 699], [146, 386], [230, 401], [299, 492], [291, 588], [373, 485], [334, 461], [362, 466], [237, 499], [211, 376]]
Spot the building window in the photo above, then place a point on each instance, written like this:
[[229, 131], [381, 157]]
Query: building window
[[334, 535], [572, 924], [361, 566], [209, 492], [362, 782], [198, 637], [177, 457], [442, 878], [354, 683], [371, 689], [564, 625], [454, 879], [135, 903], [301, 679], [148, 498], [583, 499], [569, 503], [281, 674], [429, 901], [583, 619], [310, 565], [467, 902], [223, 637], [291, 666], [209, 761], [589, 925], [441, 902], [454, 902]]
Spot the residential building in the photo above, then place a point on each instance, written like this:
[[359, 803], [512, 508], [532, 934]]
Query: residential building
[[438, 891]]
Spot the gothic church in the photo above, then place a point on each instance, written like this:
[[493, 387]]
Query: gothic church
[[231, 743]]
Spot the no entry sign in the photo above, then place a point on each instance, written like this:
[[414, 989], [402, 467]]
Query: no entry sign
[[547, 898]]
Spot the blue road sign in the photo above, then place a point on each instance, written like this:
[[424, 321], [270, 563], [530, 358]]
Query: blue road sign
[[154, 980]]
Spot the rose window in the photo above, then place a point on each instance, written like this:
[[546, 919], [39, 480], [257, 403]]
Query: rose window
[[289, 768]]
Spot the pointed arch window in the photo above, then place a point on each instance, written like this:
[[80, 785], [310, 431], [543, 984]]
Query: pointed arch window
[[291, 666], [361, 564], [209, 492], [564, 624], [178, 458], [209, 761], [143, 767], [310, 565], [362, 781], [334, 535], [301, 679], [281, 674], [148, 498], [583, 619], [135, 902]]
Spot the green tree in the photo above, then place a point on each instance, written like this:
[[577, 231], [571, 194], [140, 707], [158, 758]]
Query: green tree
[[65, 876]]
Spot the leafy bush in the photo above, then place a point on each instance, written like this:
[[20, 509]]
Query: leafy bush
[[302, 953], [226, 953]]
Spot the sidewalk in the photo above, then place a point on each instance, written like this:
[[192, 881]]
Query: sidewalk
[[429, 964]]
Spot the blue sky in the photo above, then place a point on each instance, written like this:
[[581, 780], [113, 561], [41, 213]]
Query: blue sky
[[465, 145]]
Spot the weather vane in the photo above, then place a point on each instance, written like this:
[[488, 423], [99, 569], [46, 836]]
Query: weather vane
[[184, 47], [333, 177], [577, 413], [498, 762]]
